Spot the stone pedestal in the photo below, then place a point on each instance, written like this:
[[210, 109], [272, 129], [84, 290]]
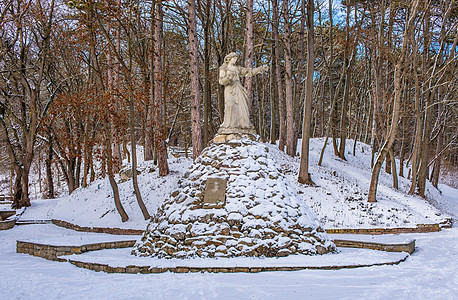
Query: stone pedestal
[[250, 130], [235, 138], [262, 214]]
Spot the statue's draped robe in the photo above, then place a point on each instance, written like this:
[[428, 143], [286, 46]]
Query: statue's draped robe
[[236, 111]]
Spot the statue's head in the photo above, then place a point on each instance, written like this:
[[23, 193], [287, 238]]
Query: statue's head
[[228, 57]]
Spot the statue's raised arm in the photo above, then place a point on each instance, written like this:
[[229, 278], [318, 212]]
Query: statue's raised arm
[[236, 112]]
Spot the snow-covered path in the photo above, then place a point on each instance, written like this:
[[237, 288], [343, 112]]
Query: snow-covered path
[[430, 273]]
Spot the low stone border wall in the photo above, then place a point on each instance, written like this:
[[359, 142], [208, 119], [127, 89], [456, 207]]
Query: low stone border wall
[[7, 224], [118, 231], [407, 247], [421, 228], [151, 270], [52, 252]]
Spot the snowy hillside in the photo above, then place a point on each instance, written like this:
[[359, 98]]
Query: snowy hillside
[[339, 199]]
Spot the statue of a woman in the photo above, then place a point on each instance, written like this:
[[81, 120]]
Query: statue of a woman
[[236, 112]]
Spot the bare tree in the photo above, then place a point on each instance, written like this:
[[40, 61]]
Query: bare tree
[[159, 133], [23, 102], [290, 134], [195, 91], [304, 175], [396, 105], [281, 99]]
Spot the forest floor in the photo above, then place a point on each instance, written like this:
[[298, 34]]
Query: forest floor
[[338, 200]]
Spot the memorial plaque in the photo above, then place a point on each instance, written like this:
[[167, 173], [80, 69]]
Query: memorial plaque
[[215, 193]]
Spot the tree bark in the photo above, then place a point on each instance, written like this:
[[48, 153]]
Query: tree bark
[[345, 101], [281, 100], [273, 97], [149, 134], [396, 106], [393, 169], [290, 135], [117, 159], [195, 91], [48, 163], [114, 185], [158, 97], [249, 42], [418, 130], [304, 175], [207, 84]]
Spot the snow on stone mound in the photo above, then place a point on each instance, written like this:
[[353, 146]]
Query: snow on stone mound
[[263, 214]]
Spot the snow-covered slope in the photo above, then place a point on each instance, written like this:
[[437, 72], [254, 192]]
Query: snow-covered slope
[[339, 200], [340, 197], [94, 205]]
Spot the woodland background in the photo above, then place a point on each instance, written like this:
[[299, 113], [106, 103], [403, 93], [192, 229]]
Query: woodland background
[[82, 83]]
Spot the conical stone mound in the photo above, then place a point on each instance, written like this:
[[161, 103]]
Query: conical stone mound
[[262, 214]]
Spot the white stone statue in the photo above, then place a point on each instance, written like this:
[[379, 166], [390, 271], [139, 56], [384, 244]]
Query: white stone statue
[[236, 112]]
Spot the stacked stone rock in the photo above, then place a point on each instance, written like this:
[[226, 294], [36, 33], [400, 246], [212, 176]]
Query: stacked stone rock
[[263, 214]]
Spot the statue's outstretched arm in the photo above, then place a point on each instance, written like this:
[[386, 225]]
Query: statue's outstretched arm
[[247, 72]]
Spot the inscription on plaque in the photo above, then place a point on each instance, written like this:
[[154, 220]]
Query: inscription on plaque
[[215, 193]]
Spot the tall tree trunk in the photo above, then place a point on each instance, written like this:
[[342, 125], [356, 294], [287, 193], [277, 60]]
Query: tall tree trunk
[[48, 163], [195, 91], [207, 84], [158, 98], [304, 175], [418, 129], [345, 101], [281, 100], [149, 134], [117, 159], [114, 185], [299, 86], [330, 126], [290, 136], [393, 168], [134, 162], [133, 142], [425, 141], [396, 106], [249, 44], [273, 93], [437, 162]]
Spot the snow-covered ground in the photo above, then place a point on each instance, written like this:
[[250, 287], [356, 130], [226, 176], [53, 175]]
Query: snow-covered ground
[[340, 197], [94, 205], [430, 273], [338, 200]]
